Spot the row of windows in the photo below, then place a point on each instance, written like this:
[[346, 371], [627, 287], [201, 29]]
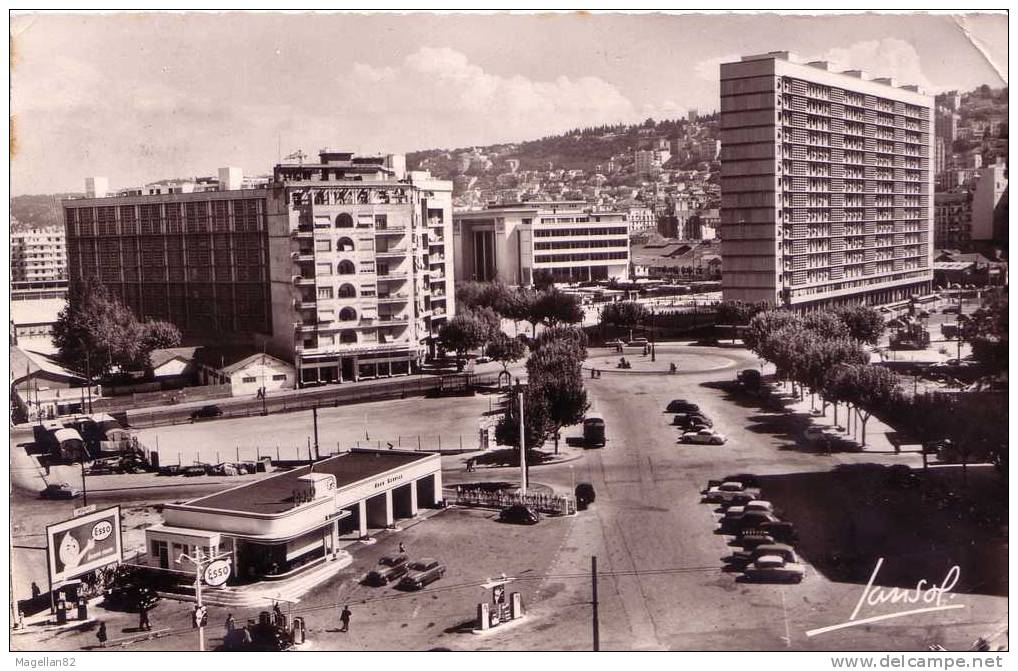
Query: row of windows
[[567, 258], [564, 232], [582, 244]]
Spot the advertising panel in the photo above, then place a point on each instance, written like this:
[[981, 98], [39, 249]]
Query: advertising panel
[[76, 546]]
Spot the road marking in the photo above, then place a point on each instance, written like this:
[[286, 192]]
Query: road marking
[[784, 614], [417, 609]]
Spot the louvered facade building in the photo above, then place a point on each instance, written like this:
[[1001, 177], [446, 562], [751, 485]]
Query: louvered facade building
[[826, 183]]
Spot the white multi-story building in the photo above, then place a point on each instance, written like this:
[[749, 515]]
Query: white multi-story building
[[990, 187], [826, 184], [641, 219], [568, 239], [38, 256], [339, 267]]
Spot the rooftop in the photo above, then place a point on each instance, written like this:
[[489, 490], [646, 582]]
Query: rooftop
[[36, 311], [275, 493]]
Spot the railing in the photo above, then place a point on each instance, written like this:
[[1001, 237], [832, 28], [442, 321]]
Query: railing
[[554, 504]]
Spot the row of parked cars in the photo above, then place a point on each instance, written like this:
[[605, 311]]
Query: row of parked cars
[[765, 553], [409, 575], [696, 426]]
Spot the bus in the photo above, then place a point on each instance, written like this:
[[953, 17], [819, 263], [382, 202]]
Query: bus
[[593, 430]]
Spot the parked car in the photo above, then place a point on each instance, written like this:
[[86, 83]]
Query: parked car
[[519, 514], [690, 420], [745, 479], [638, 342], [422, 572], [60, 490], [952, 309], [584, 495], [783, 550], [483, 359], [681, 405], [748, 520], [206, 412], [703, 437], [131, 597], [750, 378], [735, 512], [171, 469], [390, 569], [772, 568], [772, 532], [192, 471], [615, 343], [729, 491]]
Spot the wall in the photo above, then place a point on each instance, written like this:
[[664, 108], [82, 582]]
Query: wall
[[260, 372]]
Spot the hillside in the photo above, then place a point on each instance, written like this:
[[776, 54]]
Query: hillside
[[38, 211]]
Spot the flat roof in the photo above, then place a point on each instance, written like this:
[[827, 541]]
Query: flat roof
[[275, 493]]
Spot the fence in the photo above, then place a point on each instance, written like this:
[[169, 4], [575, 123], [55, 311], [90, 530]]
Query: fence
[[451, 444], [552, 504], [161, 398], [324, 397]]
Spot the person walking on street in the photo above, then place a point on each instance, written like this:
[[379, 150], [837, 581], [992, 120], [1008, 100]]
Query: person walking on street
[[231, 624], [101, 634], [402, 547], [344, 617], [35, 590], [143, 623]]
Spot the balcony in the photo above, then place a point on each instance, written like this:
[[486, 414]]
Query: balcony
[[390, 229], [303, 327], [305, 303], [302, 232], [303, 255], [393, 251], [301, 280], [393, 320], [397, 276], [393, 298], [436, 258]]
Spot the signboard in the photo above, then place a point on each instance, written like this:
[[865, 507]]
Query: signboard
[[498, 594], [217, 572], [85, 510], [77, 546]]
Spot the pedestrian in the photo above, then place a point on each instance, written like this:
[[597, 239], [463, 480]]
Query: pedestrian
[[402, 547], [101, 634], [344, 617], [35, 590], [231, 624], [276, 610], [143, 623]]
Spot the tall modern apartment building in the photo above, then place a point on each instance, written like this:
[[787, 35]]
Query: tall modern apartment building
[[338, 266], [826, 185], [568, 239]]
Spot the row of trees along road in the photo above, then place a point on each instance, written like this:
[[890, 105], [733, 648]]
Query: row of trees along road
[[825, 353], [97, 335], [555, 396]]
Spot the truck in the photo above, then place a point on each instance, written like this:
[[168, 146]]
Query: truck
[[911, 336]]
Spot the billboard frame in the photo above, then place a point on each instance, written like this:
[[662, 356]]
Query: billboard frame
[[63, 577]]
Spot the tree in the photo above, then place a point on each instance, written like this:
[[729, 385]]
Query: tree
[[468, 294], [623, 314], [543, 280], [505, 350], [765, 323], [864, 323], [157, 334], [496, 296], [825, 325], [565, 401], [572, 335], [822, 356], [555, 307], [96, 332], [867, 387], [464, 332], [536, 423], [986, 330], [737, 313], [524, 306]]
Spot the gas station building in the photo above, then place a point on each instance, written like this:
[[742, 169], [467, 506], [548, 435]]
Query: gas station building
[[291, 521]]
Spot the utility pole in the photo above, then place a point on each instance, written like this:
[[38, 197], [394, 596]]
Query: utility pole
[[84, 489], [314, 415], [523, 450], [593, 591], [88, 373], [199, 610]]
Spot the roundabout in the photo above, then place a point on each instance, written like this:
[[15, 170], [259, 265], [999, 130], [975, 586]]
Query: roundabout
[[687, 360]]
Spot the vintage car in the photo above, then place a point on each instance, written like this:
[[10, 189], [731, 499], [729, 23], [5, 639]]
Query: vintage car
[[730, 491], [390, 569], [703, 437], [773, 568], [422, 572]]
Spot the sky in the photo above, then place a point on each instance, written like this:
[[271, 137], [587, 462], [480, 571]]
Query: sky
[[137, 97]]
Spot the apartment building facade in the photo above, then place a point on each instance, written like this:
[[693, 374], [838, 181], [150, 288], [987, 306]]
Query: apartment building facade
[[568, 239], [38, 256], [827, 184], [338, 267]]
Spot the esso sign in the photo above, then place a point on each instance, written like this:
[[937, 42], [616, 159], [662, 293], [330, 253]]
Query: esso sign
[[217, 573], [102, 530]]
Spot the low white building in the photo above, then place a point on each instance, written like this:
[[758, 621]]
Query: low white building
[[245, 373], [289, 522]]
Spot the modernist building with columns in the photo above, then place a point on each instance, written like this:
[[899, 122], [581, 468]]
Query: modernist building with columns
[[289, 522]]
